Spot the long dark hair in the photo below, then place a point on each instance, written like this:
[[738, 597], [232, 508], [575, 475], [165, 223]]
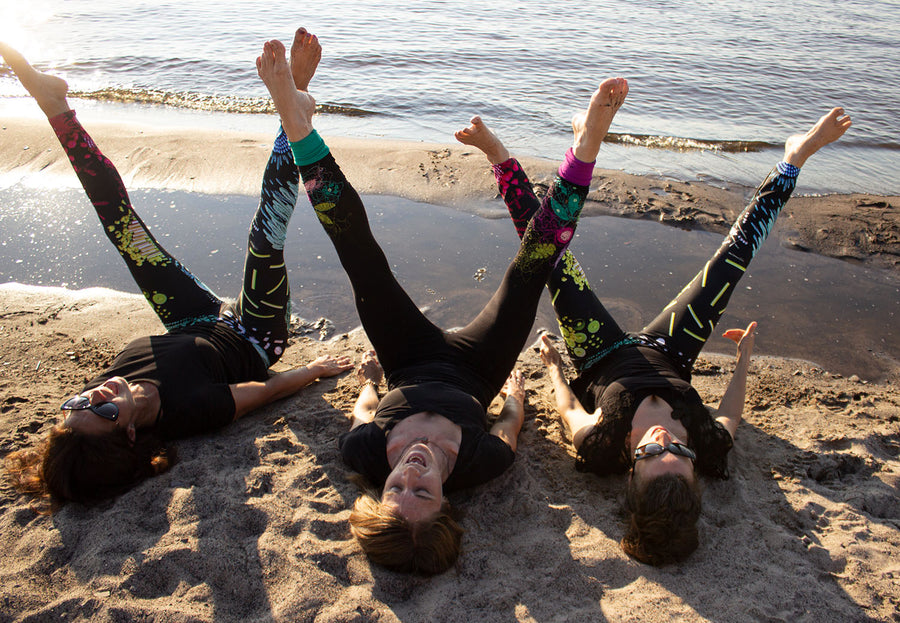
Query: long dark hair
[[68, 466]]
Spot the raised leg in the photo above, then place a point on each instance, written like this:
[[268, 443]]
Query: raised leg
[[587, 327], [494, 339], [400, 333], [176, 296], [688, 320]]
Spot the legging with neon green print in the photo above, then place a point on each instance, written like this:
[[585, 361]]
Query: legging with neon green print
[[684, 325], [178, 298], [481, 354]]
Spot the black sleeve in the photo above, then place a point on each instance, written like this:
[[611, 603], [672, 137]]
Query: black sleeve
[[482, 457], [364, 450], [205, 410]]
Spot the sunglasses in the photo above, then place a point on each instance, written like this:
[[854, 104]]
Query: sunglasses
[[655, 449], [106, 410]]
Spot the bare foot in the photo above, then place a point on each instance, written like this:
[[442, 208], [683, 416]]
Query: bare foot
[[591, 125], [296, 108], [514, 387], [306, 52], [369, 369], [48, 91], [480, 136], [549, 355], [829, 128]]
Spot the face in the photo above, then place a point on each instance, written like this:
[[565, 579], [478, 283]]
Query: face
[[665, 463], [115, 390], [414, 489]]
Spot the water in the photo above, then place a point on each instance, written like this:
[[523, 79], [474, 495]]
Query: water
[[721, 72], [842, 316]]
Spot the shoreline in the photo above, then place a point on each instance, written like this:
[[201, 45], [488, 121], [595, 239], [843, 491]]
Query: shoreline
[[860, 228]]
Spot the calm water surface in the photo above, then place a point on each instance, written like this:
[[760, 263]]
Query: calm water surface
[[752, 70]]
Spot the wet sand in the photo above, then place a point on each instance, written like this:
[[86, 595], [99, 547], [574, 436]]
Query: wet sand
[[251, 523]]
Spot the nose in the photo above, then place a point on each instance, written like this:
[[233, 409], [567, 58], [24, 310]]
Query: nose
[[663, 436]]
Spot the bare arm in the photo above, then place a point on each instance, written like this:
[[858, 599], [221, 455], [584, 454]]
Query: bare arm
[[512, 415], [254, 394], [731, 407], [577, 421], [369, 375]]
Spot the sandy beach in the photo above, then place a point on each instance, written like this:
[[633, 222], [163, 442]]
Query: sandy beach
[[251, 524]]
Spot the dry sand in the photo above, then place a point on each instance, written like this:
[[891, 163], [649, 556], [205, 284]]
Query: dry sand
[[251, 523]]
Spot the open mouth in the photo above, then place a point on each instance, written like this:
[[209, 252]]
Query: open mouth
[[415, 459]]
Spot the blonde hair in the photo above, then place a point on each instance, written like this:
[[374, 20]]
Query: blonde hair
[[77, 467], [389, 540]]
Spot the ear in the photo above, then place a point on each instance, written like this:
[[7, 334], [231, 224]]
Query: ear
[[131, 431]]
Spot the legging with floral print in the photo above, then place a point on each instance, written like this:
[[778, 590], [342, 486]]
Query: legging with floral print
[[178, 298]]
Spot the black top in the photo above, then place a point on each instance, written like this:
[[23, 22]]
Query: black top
[[192, 369], [482, 456], [617, 384]]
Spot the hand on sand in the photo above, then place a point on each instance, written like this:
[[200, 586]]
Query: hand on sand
[[326, 365], [514, 387], [549, 355]]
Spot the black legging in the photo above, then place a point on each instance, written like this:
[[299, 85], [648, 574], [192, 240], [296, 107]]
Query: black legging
[[485, 351]]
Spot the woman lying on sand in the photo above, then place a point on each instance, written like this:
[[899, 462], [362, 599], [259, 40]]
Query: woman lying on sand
[[429, 433], [209, 369], [632, 406]]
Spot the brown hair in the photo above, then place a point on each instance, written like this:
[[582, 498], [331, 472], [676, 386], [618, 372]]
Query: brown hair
[[389, 540], [662, 528], [77, 467]]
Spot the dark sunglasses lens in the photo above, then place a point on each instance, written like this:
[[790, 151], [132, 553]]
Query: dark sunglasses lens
[[77, 402], [106, 410], [677, 448]]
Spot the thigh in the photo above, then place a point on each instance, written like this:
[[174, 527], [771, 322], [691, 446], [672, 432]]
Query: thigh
[[586, 326]]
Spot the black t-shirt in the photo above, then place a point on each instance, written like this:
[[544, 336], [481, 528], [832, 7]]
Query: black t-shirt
[[617, 384], [482, 456], [192, 369]]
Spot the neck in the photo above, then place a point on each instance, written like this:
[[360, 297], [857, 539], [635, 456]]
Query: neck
[[654, 411], [146, 400]]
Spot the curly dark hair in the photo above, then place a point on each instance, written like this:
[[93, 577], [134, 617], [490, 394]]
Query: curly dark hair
[[662, 526]]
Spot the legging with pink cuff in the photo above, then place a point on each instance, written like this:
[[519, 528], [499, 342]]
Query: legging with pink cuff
[[178, 298], [684, 325], [481, 354]]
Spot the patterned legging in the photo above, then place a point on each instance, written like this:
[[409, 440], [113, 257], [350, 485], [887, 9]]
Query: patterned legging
[[177, 297], [684, 325], [480, 354]]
